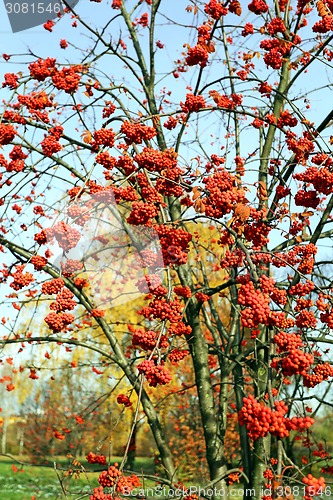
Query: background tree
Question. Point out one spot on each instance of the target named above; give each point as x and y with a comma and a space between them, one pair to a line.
114, 157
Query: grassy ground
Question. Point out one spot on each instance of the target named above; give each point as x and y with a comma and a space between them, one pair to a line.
40, 482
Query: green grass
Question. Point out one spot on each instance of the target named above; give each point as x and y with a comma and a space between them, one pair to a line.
42, 482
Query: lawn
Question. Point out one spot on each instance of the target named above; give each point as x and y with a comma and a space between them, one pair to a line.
42, 482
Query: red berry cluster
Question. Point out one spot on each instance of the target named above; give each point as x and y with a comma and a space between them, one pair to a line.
296, 362
153, 283
257, 309
109, 109
70, 267
163, 309
322, 371
301, 289
43, 237
306, 319
63, 301
287, 341
127, 193
177, 355
80, 283
303, 304
122, 399
104, 137
104, 158
36, 101
11, 81
276, 51
183, 291
300, 146
276, 25
261, 420
202, 297
137, 132
80, 215
66, 236
327, 317
142, 214
155, 374
307, 199
67, 79
215, 9
171, 123
147, 339
116, 4
53, 286
223, 194
179, 329
174, 243
321, 179
42, 68
50, 145
126, 484
198, 54
258, 7
20, 279
232, 259
7, 134
109, 478
97, 313
93, 458
314, 486
98, 493
282, 191
193, 103
155, 160
38, 262
58, 321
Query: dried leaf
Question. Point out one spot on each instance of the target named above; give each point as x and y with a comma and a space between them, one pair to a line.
86, 137
242, 211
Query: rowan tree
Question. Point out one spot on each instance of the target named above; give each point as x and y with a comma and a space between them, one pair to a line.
211, 115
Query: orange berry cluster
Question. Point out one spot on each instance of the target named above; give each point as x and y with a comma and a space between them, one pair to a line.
63, 301
108, 478
104, 137
155, 374
20, 279
193, 103
147, 339
58, 321
261, 420
257, 310
92, 458
50, 145
314, 486
142, 214
153, 283
161, 308
98, 493
53, 286
38, 262
177, 355
137, 132
122, 399
7, 134
70, 266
